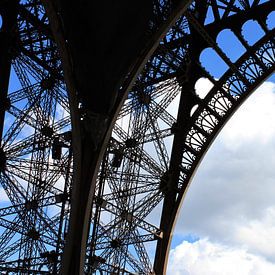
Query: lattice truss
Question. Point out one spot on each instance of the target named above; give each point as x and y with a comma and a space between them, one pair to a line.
35, 152
161, 133
164, 128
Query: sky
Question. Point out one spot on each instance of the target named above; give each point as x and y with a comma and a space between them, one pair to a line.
227, 221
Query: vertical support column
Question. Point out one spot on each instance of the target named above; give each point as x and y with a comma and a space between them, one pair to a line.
120, 50
170, 204
8, 12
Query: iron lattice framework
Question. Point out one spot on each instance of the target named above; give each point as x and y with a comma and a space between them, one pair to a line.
35, 153
160, 135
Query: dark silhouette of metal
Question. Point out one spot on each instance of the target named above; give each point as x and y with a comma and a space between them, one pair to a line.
102, 197
35, 150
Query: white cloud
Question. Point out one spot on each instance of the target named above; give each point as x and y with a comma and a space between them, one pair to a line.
259, 235
206, 258
254, 122
203, 86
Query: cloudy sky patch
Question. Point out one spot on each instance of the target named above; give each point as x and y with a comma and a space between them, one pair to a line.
206, 258
230, 206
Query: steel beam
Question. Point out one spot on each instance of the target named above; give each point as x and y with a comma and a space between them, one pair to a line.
8, 12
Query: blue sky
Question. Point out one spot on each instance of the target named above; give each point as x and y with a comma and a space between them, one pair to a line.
228, 215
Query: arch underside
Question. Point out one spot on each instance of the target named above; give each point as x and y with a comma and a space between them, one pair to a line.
144, 176
161, 133
37, 164
212, 114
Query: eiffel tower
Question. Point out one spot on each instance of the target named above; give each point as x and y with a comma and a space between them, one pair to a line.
101, 126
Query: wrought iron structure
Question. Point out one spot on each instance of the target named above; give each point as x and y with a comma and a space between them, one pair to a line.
35, 152
159, 131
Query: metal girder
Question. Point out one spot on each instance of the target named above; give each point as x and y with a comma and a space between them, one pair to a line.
246, 74
9, 13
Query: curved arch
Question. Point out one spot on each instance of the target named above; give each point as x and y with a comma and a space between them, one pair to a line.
216, 109
86, 164
49, 132
133, 180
